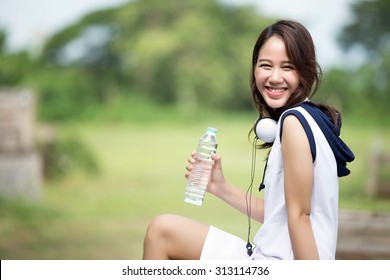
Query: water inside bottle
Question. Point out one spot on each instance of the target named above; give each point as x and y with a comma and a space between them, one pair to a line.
200, 174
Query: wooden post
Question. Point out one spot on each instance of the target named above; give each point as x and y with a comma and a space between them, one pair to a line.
373, 162
378, 172
20, 164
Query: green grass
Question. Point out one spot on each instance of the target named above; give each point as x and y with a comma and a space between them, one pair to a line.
143, 166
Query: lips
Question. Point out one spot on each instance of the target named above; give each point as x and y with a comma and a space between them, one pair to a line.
275, 92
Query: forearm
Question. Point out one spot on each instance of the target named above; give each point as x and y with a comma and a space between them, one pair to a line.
302, 237
236, 198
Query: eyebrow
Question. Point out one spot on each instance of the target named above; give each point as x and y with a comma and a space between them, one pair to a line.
270, 61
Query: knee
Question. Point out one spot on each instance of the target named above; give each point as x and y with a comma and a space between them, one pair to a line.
160, 228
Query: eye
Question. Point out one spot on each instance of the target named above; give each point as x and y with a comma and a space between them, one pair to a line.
265, 66
289, 67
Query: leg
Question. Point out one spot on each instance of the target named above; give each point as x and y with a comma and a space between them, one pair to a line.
174, 237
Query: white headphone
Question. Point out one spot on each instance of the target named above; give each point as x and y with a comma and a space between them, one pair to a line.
265, 129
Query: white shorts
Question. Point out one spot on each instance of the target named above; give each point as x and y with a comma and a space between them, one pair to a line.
221, 245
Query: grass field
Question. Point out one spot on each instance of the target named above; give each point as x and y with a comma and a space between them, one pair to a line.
142, 166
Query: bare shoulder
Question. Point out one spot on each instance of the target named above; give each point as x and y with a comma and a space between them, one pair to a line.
292, 127
294, 139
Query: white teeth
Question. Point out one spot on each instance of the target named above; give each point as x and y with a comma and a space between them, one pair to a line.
277, 90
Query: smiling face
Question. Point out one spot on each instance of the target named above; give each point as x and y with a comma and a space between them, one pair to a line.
275, 75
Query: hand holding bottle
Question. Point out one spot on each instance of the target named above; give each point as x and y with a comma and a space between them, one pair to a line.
217, 179
201, 166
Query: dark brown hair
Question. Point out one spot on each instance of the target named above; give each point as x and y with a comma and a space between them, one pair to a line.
301, 52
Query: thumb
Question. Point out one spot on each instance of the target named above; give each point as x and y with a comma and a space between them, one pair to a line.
217, 159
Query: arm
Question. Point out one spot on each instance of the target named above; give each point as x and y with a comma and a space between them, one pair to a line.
298, 180
229, 193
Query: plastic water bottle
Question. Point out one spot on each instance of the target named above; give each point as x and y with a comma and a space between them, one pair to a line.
200, 174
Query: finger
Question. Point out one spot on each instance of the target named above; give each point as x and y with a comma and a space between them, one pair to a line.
217, 161
191, 159
215, 157
189, 168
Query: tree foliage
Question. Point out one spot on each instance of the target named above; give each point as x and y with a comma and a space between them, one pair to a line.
190, 53
370, 27
367, 87
13, 67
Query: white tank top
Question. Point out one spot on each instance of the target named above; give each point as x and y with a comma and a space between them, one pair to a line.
272, 241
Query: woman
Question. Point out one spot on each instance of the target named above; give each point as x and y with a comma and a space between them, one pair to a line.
300, 205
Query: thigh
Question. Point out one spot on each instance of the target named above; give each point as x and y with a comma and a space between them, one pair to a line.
184, 237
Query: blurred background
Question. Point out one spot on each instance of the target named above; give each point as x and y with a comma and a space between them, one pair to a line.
101, 103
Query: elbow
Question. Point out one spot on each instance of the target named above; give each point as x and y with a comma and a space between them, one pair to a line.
298, 215
298, 222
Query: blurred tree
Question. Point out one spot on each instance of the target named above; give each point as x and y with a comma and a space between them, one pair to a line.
85, 49
182, 52
14, 66
369, 29
3, 37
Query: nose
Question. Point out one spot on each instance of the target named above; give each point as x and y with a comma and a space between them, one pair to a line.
276, 76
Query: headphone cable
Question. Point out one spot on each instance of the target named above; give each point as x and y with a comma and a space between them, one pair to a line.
248, 196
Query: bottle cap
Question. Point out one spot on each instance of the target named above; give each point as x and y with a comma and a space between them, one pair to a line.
211, 129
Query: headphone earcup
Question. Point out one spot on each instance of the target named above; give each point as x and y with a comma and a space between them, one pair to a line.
265, 129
